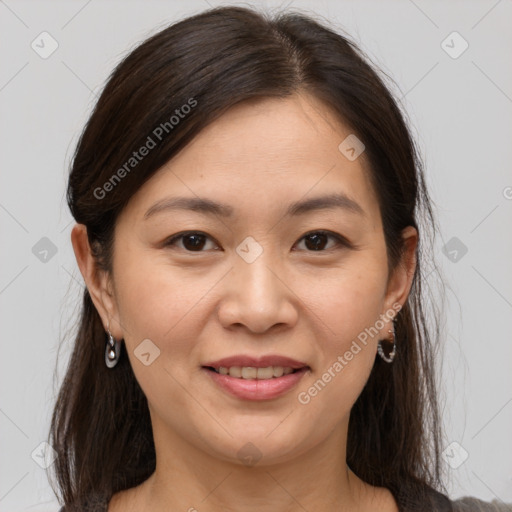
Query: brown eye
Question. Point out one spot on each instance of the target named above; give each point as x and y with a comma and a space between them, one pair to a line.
315, 241
318, 240
191, 242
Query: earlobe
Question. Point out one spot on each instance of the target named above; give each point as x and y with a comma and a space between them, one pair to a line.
96, 280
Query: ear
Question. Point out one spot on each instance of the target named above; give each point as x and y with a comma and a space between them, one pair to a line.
400, 282
98, 281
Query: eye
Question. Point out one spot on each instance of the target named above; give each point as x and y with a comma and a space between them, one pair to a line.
317, 240
193, 241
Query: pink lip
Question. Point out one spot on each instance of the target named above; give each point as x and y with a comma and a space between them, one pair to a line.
254, 389
256, 362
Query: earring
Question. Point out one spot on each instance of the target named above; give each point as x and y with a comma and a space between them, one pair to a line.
112, 350
388, 359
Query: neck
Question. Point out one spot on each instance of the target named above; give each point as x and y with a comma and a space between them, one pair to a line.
191, 480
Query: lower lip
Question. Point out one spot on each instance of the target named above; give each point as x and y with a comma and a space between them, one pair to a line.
257, 389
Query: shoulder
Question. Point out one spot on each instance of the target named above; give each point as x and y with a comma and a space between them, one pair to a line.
88, 505
468, 504
427, 499
86, 508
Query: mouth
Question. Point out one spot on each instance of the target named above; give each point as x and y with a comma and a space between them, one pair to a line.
254, 373
261, 382
249, 378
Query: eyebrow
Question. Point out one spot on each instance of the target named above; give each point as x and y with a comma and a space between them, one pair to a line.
209, 207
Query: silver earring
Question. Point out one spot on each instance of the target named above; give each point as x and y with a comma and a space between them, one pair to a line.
388, 359
112, 351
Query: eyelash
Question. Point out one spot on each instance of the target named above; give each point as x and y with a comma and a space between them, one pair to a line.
342, 242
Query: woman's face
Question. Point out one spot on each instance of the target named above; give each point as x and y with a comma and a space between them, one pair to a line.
249, 286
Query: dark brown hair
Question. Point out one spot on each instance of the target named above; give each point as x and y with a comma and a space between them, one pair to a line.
101, 426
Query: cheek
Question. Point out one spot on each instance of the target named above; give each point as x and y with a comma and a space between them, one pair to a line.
162, 304
350, 307
348, 301
154, 297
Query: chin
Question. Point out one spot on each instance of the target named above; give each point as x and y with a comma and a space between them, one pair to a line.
264, 444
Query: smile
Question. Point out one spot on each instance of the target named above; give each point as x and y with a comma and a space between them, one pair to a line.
251, 383
251, 372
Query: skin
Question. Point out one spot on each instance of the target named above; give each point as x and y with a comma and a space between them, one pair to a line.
293, 301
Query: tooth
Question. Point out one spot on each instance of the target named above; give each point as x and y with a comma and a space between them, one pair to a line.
235, 371
249, 372
278, 371
265, 373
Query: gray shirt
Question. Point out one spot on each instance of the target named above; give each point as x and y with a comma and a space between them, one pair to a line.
465, 504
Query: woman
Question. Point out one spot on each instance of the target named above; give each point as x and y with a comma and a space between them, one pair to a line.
253, 336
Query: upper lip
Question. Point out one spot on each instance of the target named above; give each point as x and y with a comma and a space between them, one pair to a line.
256, 362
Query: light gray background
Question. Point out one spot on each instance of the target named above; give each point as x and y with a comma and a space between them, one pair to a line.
461, 112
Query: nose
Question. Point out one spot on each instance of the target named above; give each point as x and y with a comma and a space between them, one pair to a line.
258, 297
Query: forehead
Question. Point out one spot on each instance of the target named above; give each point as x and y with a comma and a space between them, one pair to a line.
265, 153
